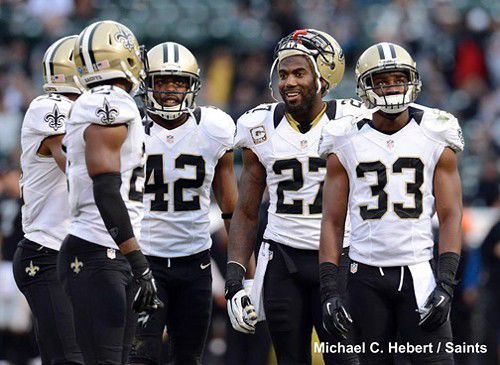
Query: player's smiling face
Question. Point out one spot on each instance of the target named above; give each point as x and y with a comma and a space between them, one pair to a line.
297, 83
169, 89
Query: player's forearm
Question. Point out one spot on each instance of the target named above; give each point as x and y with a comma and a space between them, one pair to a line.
242, 237
331, 241
450, 232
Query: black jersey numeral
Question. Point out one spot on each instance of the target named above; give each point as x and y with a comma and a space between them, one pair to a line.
378, 188
155, 183
181, 205
295, 184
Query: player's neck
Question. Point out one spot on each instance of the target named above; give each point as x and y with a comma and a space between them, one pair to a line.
169, 124
390, 123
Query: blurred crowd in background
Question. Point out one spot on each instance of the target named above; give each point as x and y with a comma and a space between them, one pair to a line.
457, 48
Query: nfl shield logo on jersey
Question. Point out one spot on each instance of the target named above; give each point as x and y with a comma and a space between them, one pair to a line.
390, 144
354, 267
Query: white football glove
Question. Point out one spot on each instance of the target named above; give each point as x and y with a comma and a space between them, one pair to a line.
241, 312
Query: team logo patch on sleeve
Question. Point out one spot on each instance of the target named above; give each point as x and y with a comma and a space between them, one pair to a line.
258, 134
107, 114
55, 118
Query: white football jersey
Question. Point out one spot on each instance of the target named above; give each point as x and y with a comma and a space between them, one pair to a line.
295, 171
45, 210
391, 199
180, 168
104, 105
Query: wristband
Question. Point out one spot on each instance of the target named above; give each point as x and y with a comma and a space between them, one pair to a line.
328, 274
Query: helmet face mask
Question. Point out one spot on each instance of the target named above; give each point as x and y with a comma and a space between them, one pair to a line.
171, 60
156, 106
321, 49
59, 69
386, 58
107, 50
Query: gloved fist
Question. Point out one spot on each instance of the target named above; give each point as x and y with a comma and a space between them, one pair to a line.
146, 299
438, 305
239, 306
336, 319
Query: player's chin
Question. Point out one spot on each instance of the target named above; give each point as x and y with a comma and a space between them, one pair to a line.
295, 106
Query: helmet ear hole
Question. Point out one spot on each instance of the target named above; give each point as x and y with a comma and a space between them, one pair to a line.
131, 62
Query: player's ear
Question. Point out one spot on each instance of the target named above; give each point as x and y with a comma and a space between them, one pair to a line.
324, 86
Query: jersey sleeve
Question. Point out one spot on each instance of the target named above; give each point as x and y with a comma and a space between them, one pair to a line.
352, 107
335, 135
220, 128
444, 128
108, 107
250, 127
47, 115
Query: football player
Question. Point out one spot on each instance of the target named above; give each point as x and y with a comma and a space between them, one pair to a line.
45, 209
391, 174
189, 151
279, 144
100, 264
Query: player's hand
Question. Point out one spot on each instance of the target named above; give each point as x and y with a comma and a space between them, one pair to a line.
146, 299
438, 305
241, 310
145, 315
336, 319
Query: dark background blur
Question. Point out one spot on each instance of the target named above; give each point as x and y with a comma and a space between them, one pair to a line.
457, 48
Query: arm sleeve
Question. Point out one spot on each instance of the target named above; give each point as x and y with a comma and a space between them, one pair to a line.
111, 206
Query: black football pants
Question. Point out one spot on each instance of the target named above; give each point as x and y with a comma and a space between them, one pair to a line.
99, 283
384, 309
35, 273
185, 287
292, 305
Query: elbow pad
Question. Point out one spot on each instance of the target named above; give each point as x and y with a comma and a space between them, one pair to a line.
111, 206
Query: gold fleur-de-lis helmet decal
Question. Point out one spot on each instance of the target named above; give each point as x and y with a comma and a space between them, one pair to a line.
107, 113
125, 37
55, 118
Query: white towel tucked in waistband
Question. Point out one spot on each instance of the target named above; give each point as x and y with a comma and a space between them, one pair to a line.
423, 284
257, 293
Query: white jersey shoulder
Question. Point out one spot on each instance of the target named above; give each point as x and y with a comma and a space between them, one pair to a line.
352, 107
105, 105
218, 125
336, 133
442, 127
253, 126
47, 114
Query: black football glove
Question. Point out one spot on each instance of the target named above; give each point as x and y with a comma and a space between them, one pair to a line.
336, 319
439, 305
439, 302
145, 299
